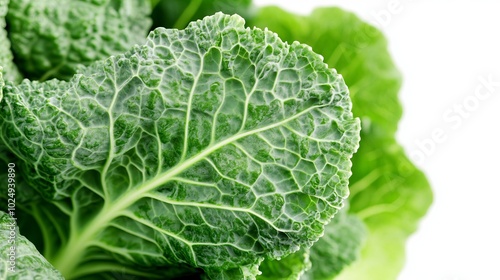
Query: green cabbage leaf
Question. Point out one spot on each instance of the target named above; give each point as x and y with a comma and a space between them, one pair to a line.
210, 148
19, 259
6, 58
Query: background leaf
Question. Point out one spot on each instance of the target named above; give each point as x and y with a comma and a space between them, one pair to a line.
10, 71
389, 193
338, 248
178, 13
291, 267
52, 38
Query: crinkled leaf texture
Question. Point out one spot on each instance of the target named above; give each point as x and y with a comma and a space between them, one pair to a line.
388, 193
29, 263
212, 147
350, 44
338, 248
10, 70
52, 38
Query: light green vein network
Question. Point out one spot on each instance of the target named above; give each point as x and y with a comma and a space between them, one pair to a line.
214, 147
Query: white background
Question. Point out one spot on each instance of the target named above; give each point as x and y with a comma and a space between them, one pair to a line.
444, 49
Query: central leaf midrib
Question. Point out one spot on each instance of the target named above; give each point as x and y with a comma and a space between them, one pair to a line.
130, 197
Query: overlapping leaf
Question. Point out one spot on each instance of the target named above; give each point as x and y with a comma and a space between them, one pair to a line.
19, 259
10, 70
291, 267
338, 248
52, 38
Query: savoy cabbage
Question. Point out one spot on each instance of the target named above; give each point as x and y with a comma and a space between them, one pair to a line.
213, 147
210, 150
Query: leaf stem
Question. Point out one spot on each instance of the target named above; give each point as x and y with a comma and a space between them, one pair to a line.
47, 240
187, 14
380, 208
52, 72
71, 255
